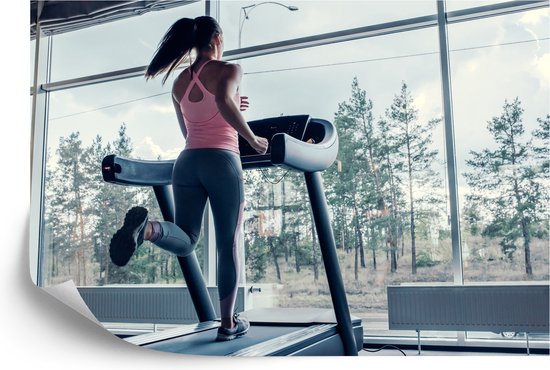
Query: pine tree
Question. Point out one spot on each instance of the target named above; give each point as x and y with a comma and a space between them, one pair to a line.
414, 141
391, 166
348, 179
70, 201
505, 182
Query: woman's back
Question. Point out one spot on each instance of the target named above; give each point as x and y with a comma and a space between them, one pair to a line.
195, 90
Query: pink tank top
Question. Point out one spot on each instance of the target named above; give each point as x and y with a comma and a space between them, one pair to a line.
206, 128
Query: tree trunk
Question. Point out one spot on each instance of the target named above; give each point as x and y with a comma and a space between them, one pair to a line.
411, 200
413, 239
343, 228
314, 251
283, 222
356, 264
106, 259
393, 228
296, 258
527, 246
274, 256
393, 259
359, 234
373, 248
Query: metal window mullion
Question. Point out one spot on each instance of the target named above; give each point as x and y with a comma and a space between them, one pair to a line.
212, 9
39, 132
450, 143
493, 10
333, 37
210, 261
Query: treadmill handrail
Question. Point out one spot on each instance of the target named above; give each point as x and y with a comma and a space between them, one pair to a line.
136, 172
302, 155
286, 151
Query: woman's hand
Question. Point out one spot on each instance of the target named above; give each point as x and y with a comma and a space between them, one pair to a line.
244, 103
259, 144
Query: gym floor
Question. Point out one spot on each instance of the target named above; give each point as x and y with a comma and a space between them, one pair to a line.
392, 351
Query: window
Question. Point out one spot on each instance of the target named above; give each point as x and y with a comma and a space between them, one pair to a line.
115, 45
501, 94
465, 4
131, 118
311, 18
368, 192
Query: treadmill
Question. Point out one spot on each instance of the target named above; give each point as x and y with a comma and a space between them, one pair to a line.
299, 143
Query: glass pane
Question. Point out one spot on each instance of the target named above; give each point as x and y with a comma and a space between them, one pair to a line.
465, 4
131, 118
501, 111
368, 192
116, 45
311, 17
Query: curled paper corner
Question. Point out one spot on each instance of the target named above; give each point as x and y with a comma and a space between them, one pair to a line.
68, 294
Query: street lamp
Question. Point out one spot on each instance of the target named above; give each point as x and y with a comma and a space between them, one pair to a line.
246, 10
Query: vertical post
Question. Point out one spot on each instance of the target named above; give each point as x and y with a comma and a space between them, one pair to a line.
418, 340
450, 143
39, 132
189, 265
527, 339
319, 209
209, 264
212, 9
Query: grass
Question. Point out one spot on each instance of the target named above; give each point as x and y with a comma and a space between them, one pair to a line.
367, 293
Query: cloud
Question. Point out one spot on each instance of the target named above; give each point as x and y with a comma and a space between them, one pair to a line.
543, 66
163, 108
147, 148
532, 18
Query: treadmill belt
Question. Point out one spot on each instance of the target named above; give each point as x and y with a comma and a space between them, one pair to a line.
204, 343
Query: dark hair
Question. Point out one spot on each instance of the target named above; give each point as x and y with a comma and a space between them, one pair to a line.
178, 42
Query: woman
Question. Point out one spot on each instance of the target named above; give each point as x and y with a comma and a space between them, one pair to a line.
207, 102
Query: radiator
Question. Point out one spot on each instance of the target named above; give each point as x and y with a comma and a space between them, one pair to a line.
160, 305
497, 308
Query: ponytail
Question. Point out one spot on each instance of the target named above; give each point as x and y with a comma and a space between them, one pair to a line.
178, 42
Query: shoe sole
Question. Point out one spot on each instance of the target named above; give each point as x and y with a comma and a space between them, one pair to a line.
225, 338
123, 240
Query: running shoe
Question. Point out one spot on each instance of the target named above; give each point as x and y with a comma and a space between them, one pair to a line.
241, 328
129, 237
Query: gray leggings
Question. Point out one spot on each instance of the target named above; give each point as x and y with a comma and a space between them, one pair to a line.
215, 174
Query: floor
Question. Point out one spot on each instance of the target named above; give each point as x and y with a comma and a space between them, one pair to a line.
390, 351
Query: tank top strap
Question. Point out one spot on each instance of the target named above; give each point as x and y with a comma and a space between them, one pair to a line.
196, 74
195, 79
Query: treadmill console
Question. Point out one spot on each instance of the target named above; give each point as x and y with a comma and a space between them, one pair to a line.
294, 126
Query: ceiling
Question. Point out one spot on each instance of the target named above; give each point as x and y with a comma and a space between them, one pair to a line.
57, 16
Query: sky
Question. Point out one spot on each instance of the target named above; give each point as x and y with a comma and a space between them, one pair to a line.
492, 60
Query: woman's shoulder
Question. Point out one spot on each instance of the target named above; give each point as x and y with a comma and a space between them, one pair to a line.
228, 68
183, 73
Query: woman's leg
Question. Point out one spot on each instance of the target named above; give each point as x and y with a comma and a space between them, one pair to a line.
190, 198
224, 184
180, 237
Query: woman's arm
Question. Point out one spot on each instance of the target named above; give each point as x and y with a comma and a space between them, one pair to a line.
227, 89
